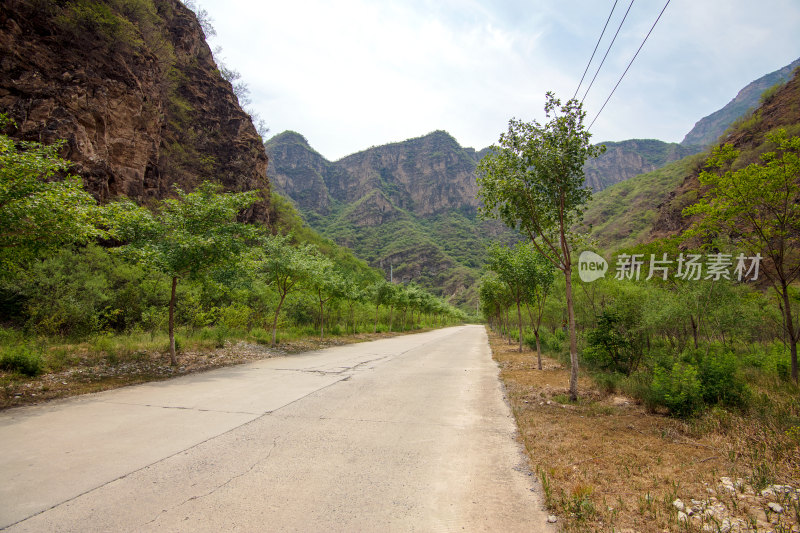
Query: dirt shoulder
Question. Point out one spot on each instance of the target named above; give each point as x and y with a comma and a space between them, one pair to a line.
606, 464
89, 372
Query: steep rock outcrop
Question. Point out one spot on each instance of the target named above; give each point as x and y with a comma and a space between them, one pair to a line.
133, 89
298, 172
425, 175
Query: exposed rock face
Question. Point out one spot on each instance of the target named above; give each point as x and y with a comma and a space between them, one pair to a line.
425, 175
626, 159
708, 129
136, 95
301, 173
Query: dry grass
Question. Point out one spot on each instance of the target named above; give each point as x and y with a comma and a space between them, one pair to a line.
606, 464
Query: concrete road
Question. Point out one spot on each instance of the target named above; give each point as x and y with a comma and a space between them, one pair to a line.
403, 434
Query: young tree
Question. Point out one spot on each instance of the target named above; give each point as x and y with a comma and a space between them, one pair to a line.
38, 212
284, 266
533, 181
758, 206
326, 283
494, 298
539, 284
514, 268
185, 237
381, 293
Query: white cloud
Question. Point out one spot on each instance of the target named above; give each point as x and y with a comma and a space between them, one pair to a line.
354, 73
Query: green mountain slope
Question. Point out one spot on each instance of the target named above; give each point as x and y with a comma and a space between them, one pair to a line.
623, 214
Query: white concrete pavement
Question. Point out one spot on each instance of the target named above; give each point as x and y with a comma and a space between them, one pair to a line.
403, 434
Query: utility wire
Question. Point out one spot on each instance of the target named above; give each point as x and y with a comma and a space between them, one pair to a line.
595, 50
608, 50
629, 65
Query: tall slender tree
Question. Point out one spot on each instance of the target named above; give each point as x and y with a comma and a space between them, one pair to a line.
533, 181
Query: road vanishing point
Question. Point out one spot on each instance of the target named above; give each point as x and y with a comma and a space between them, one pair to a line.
408, 433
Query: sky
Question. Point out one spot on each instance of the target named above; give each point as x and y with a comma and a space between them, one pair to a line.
352, 74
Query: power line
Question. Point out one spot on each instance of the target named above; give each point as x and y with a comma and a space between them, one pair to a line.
595, 50
629, 65
608, 50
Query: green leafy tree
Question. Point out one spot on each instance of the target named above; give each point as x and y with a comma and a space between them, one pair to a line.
533, 181
39, 212
185, 237
381, 293
758, 206
539, 284
494, 298
325, 283
514, 268
284, 266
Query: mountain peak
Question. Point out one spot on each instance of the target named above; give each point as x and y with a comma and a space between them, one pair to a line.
289, 136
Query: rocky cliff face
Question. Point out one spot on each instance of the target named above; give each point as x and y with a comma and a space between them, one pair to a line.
626, 159
409, 206
426, 175
299, 172
133, 89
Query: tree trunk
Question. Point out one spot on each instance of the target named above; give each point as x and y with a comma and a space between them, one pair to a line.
573, 341
391, 316
321, 319
173, 359
694, 330
790, 329
519, 325
538, 348
275, 320
376, 318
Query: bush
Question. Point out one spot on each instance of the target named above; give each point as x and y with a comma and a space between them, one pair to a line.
608, 347
21, 359
553, 342
720, 381
678, 389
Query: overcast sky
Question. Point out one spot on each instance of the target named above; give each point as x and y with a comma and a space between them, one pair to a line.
350, 74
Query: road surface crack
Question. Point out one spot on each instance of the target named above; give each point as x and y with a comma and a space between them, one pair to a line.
341, 370
218, 487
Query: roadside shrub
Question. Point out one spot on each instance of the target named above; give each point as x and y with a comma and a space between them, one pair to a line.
609, 383
678, 389
610, 346
235, 316
720, 381
553, 342
21, 359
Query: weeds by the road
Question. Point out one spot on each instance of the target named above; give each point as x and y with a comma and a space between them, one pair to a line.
607, 464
